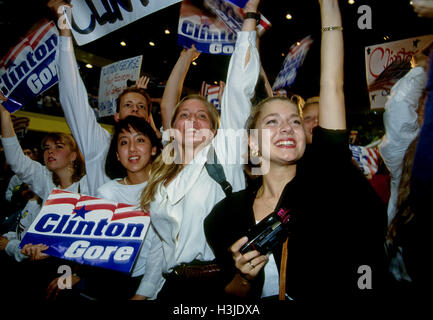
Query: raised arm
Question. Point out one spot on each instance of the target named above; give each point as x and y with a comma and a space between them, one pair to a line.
242, 74
31, 172
174, 85
92, 139
332, 113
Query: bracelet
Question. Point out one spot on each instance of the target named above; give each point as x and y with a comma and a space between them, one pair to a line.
330, 28
253, 15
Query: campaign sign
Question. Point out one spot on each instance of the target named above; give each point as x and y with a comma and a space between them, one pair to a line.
92, 19
292, 63
366, 158
89, 230
239, 3
233, 16
30, 67
386, 63
211, 92
204, 30
113, 80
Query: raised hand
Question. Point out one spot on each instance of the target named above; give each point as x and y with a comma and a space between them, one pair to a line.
143, 82
251, 6
58, 7
191, 53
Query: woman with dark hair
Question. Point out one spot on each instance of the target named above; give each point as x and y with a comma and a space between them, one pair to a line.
134, 145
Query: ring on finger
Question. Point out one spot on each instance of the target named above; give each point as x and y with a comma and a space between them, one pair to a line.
252, 265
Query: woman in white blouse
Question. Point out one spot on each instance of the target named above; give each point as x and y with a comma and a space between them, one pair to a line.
179, 195
64, 166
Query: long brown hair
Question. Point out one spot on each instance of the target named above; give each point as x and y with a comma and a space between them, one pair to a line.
404, 214
163, 170
78, 166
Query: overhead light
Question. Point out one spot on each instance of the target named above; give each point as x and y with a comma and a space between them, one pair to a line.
152, 44
298, 43
89, 66
215, 82
283, 54
351, 1
166, 31
194, 63
288, 16
123, 43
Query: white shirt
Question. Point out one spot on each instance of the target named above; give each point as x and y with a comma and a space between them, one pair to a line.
28, 215
152, 280
13, 182
401, 127
36, 175
271, 287
39, 179
92, 139
179, 209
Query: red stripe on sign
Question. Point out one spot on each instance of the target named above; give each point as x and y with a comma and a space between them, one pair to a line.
14, 52
42, 34
17, 52
130, 214
87, 198
72, 201
57, 191
124, 205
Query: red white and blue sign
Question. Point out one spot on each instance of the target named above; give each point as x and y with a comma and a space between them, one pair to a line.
366, 158
239, 3
233, 16
89, 230
30, 67
292, 63
203, 30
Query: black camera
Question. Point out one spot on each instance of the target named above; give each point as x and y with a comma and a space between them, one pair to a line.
268, 233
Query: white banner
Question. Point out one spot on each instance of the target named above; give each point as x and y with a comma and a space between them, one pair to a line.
92, 19
113, 80
386, 63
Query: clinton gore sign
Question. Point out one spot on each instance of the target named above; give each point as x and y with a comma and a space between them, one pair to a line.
89, 230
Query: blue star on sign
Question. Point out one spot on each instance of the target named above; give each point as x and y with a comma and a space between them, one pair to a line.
81, 212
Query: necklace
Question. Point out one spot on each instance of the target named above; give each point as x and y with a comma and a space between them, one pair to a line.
263, 202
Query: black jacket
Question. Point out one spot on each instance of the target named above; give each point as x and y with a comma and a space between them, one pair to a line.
337, 229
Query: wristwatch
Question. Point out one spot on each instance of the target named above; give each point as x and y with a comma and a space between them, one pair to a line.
253, 15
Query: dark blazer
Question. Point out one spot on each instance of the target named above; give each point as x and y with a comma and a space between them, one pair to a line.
337, 230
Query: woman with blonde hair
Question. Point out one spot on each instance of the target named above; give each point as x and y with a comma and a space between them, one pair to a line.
64, 167
330, 218
180, 191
